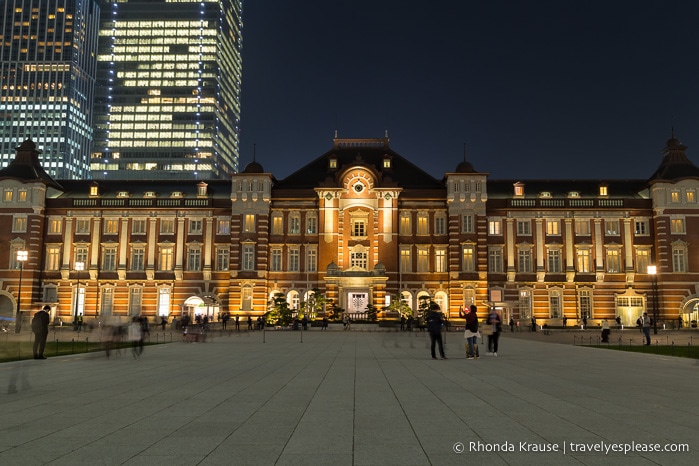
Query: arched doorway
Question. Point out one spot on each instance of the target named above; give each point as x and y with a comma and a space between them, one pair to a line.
202, 306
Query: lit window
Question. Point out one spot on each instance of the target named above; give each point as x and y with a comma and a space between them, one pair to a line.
440, 260
165, 258
138, 226
249, 223
277, 224
613, 260
422, 262
677, 226
405, 260
642, 260
675, 196
494, 227
111, 226
554, 304
223, 226
583, 260
405, 227
422, 224
311, 225
553, 227
19, 224
167, 226
55, 226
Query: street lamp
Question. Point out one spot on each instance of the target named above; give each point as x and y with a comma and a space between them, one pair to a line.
653, 272
79, 267
22, 257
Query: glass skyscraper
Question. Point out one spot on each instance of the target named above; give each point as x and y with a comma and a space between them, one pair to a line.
168, 92
47, 81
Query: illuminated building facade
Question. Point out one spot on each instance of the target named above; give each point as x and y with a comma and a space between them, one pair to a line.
169, 81
47, 81
365, 227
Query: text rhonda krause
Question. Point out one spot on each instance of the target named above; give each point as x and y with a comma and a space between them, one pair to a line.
575, 447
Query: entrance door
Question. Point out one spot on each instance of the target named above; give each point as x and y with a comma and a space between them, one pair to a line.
357, 302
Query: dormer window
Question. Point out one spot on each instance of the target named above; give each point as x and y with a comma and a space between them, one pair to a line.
332, 163
545, 195
176, 194
574, 194
201, 189
519, 189
149, 194
603, 190
123, 194
386, 162
94, 190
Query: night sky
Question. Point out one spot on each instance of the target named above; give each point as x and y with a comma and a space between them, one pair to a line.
534, 89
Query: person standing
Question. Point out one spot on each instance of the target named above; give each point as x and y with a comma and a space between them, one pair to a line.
646, 327
471, 333
136, 337
325, 324
237, 323
605, 331
40, 327
496, 322
435, 322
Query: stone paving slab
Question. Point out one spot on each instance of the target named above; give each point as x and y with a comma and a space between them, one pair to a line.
348, 398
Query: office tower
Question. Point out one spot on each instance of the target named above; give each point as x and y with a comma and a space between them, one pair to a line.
47, 74
168, 93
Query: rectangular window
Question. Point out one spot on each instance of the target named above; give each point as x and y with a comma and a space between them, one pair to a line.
555, 305
679, 259
167, 226
294, 225
553, 227
223, 226
554, 259
165, 258
691, 196
109, 259
276, 265
359, 228
641, 227
494, 227
612, 227
223, 258
19, 224
194, 259
135, 298
467, 224
613, 260
55, 226
468, 263
311, 225
8, 195
22, 195
440, 260
311, 260
440, 226
422, 260
249, 223
422, 224
675, 196
585, 303
82, 226
524, 227
137, 261
358, 259
583, 259
405, 227
111, 226
53, 258
106, 301
642, 260
248, 257
277, 225
164, 302
405, 260
81, 255
524, 262
293, 260
138, 226
495, 260
677, 226
582, 227
195, 226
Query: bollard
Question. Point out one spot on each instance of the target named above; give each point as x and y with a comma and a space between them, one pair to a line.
672, 348
87, 345
72, 346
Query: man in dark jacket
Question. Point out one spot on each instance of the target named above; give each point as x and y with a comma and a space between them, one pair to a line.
435, 321
40, 327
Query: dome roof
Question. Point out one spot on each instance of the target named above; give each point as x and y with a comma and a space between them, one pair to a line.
465, 167
253, 167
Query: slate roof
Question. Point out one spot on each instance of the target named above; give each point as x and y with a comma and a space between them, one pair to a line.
26, 166
360, 152
675, 165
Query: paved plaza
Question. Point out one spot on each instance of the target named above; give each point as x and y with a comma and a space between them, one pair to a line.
350, 398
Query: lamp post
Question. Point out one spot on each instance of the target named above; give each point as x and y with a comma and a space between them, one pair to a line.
653, 272
22, 257
79, 267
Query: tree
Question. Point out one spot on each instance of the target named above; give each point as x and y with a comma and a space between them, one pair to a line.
280, 313
400, 306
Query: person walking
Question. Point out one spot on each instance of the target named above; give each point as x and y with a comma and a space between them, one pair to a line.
471, 333
496, 322
40, 327
435, 322
646, 327
136, 337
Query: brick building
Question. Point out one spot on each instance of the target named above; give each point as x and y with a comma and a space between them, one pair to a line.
363, 226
